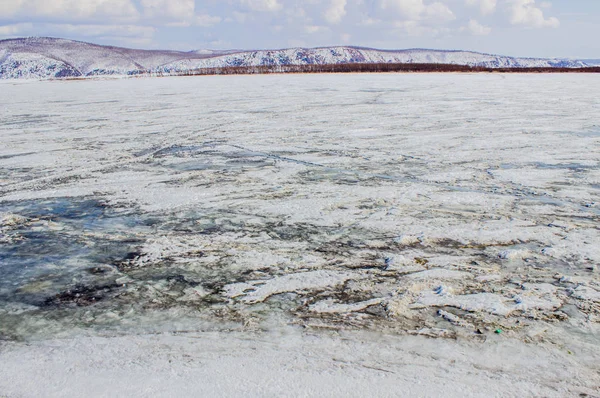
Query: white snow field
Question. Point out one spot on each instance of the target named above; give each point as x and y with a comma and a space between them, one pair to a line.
301, 235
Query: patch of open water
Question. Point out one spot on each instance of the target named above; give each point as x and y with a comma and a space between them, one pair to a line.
61, 243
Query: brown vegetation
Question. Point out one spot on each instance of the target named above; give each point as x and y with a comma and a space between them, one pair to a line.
374, 68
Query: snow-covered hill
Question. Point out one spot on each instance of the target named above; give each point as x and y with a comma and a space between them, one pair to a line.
340, 55
44, 58
49, 57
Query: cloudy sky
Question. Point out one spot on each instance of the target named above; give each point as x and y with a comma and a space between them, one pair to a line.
565, 28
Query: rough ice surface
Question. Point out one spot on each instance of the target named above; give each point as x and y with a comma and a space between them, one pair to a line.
488, 302
438, 273
328, 306
257, 291
433, 205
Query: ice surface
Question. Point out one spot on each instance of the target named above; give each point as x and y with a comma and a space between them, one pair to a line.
257, 291
436, 205
488, 302
305, 190
291, 365
440, 274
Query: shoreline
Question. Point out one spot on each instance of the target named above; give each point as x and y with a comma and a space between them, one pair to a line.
328, 69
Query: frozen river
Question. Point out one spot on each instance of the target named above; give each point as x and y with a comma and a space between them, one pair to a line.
445, 205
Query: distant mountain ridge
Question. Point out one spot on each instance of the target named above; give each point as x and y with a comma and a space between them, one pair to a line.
50, 58
591, 62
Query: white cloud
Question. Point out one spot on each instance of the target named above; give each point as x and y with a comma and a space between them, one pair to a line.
9, 8
314, 29
83, 9
476, 29
195, 20
369, 22
84, 30
130, 31
439, 12
415, 10
336, 11
525, 12
414, 28
175, 13
409, 9
416, 17
15, 29
485, 6
69, 9
296, 12
172, 9
262, 5
239, 17
206, 20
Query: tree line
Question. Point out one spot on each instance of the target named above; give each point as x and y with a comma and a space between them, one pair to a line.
371, 68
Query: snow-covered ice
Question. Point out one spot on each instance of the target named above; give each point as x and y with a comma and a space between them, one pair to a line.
223, 211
